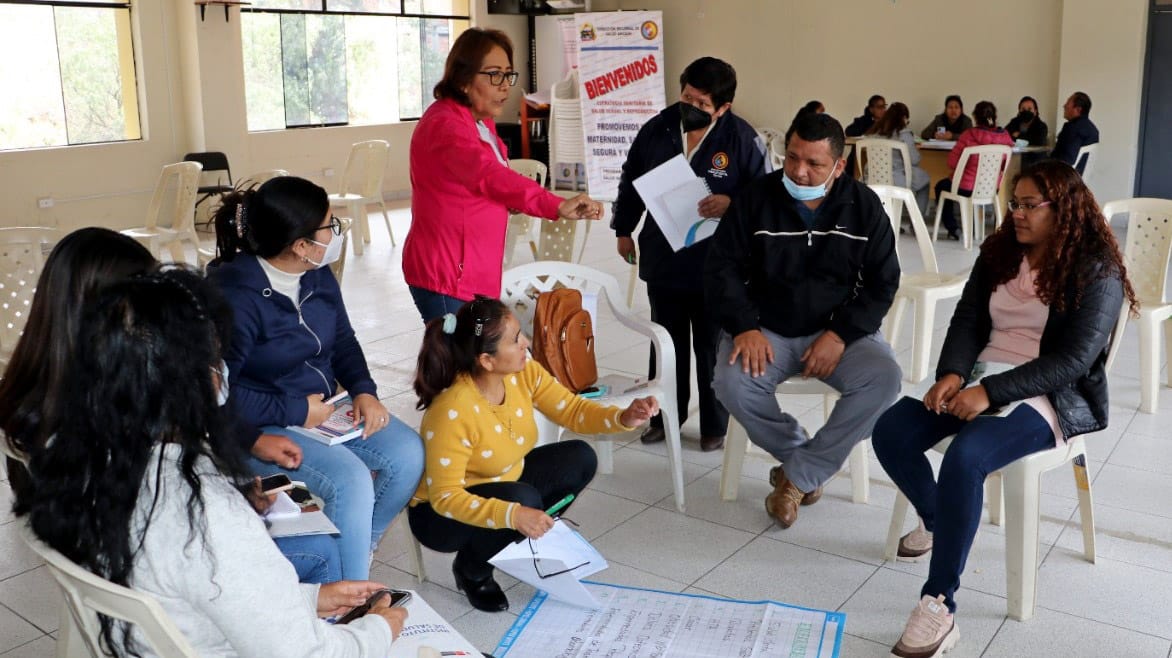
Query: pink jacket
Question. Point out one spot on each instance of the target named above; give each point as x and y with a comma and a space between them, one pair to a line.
460, 196
975, 136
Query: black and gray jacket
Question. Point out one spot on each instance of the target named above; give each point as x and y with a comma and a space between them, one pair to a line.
1070, 368
767, 269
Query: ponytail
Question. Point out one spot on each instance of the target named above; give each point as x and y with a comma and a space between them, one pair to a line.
453, 343
231, 222
264, 221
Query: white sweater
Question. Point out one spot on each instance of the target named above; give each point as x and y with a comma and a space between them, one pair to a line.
230, 591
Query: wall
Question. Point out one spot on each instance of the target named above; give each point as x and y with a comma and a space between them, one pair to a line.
786, 52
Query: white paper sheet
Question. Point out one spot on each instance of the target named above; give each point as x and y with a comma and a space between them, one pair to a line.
283, 508
556, 551
426, 628
671, 193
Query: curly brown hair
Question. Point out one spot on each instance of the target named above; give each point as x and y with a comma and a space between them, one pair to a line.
1082, 247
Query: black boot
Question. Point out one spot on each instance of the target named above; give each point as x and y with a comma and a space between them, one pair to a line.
484, 594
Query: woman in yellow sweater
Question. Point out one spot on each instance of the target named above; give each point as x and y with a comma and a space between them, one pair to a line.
484, 483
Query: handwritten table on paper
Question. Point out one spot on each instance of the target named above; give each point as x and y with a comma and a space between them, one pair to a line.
642, 623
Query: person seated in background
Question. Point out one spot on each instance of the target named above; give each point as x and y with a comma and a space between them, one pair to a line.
894, 125
812, 107
722, 149
985, 131
81, 265
139, 484
950, 124
1077, 132
487, 483
876, 106
802, 270
292, 346
1027, 124
1035, 317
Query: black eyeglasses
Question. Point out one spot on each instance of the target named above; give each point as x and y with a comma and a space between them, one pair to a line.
335, 225
497, 78
537, 560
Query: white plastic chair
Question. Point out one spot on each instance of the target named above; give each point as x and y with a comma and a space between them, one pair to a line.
362, 184
879, 169
1015, 493
1087, 156
521, 224
338, 267
924, 288
22, 257
737, 445
178, 184
86, 595
993, 160
519, 290
1149, 245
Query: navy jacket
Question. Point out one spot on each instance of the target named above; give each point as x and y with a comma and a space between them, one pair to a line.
1071, 366
280, 355
767, 269
728, 159
1074, 135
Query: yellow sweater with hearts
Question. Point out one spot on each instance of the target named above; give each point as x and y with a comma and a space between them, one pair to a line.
468, 441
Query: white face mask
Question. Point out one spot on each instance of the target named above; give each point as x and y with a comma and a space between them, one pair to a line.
222, 394
333, 251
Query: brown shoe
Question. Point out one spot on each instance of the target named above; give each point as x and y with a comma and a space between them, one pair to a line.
711, 443
653, 435
809, 499
782, 504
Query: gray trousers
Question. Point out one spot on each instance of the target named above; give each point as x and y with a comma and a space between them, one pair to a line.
867, 377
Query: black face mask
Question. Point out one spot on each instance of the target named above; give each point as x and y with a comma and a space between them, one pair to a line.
1025, 116
693, 118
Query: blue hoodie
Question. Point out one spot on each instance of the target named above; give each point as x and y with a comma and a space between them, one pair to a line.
280, 355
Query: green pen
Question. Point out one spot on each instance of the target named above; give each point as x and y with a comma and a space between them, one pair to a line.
558, 506
631, 258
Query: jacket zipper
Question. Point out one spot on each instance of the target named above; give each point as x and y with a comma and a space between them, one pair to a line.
301, 320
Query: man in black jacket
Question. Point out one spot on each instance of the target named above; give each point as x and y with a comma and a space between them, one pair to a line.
1077, 132
726, 152
802, 270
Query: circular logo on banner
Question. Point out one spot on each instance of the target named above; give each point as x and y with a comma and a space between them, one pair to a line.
587, 32
720, 160
649, 30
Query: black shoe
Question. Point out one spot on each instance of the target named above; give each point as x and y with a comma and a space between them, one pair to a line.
953, 234
711, 443
484, 594
653, 435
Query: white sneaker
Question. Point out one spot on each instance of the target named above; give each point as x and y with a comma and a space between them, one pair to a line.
930, 631
914, 545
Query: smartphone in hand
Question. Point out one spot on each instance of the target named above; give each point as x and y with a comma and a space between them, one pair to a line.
274, 483
398, 598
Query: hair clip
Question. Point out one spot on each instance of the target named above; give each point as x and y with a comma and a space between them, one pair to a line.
449, 324
239, 221
479, 328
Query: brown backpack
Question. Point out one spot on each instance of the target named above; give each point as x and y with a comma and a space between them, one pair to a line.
563, 339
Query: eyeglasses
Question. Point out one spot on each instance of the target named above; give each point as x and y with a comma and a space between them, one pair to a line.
1015, 206
537, 560
497, 78
335, 225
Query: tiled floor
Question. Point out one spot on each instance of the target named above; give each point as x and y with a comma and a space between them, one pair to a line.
832, 558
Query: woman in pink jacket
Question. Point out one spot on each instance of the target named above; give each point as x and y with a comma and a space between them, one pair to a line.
984, 131
461, 184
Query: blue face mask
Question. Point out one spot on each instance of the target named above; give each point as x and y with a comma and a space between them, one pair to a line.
806, 192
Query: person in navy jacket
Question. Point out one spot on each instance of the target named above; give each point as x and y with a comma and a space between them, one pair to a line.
1077, 132
726, 152
293, 346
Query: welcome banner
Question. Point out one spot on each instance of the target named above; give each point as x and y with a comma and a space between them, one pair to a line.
620, 77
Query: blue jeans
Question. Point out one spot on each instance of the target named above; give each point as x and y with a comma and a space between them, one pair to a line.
364, 483
314, 557
433, 305
950, 505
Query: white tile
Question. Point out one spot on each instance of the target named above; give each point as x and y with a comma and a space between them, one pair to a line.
746, 513
597, 513
670, 544
35, 595
18, 557
1136, 490
1052, 633
15, 631
641, 476
768, 569
485, 629
1116, 593
1145, 453
1132, 537
41, 647
857, 647
820, 527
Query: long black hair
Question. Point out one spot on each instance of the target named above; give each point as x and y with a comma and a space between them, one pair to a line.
265, 220
80, 265
142, 376
479, 325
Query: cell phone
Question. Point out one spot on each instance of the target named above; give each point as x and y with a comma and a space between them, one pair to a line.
300, 495
398, 598
594, 391
274, 483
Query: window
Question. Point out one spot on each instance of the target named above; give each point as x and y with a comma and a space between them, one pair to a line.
338, 62
67, 71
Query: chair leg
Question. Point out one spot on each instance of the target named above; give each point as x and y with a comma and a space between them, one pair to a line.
994, 501
413, 547
895, 529
631, 286
585, 239
1168, 348
924, 322
671, 426
736, 443
604, 448
894, 320
355, 209
1149, 353
70, 642
387, 220
860, 473
1021, 539
936, 224
1086, 508
966, 223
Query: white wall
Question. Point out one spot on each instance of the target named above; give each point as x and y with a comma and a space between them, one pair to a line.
786, 52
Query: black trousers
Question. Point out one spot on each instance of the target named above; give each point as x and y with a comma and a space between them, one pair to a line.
551, 472
688, 320
948, 215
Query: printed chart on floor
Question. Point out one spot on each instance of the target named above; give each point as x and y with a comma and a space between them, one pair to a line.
645, 623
